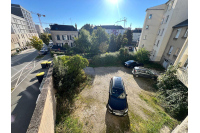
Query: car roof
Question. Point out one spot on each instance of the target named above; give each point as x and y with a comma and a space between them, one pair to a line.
130, 61
139, 67
117, 82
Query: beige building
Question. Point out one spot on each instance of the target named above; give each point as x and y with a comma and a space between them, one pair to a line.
151, 26
39, 29
183, 60
175, 43
62, 34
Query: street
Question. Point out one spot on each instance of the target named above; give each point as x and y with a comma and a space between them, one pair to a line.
26, 88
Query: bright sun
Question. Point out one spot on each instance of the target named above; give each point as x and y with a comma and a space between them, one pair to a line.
114, 1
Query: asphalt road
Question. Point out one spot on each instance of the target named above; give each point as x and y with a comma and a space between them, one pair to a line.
24, 96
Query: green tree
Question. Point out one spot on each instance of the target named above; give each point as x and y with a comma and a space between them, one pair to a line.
87, 27
124, 42
103, 47
49, 35
45, 38
83, 42
129, 35
142, 55
173, 93
119, 41
36, 42
98, 36
112, 43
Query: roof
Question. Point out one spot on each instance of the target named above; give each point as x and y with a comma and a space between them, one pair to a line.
117, 82
139, 30
182, 24
159, 7
63, 27
110, 27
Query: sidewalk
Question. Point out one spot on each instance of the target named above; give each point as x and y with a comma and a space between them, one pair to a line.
23, 99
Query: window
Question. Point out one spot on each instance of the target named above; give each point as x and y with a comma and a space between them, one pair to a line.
185, 66
162, 32
178, 33
162, 21
171, 5
142, 45
186, 33
158, 42
58, 37
154, 52
168, 7
150, 16
64, 37
18, 36
145, 37
70, 37
170, 50
158, 31
67, 37
177, 52
167, 19
147, 27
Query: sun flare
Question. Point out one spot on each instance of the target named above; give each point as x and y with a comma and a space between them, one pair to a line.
114, 1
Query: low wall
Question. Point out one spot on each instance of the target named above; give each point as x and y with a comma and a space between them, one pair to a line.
44, 115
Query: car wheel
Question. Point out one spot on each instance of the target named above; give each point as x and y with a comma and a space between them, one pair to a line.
136, 76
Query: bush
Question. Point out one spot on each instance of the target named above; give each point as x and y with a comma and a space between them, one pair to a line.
173, 94
57, 53
142, 55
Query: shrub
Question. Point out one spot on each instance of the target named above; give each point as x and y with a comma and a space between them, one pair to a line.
173, 93
57, 53
142, 55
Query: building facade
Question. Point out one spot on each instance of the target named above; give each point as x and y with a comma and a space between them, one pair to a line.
175, 43
182, 59
62, 34
151, 26
112, 29
47, 30
39, 29
136, 34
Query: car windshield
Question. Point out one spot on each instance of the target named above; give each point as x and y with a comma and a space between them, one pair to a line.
116, 92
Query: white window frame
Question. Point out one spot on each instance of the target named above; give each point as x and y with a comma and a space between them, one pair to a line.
167, 18
162, 32
150, 16
178, 33
170, 50
186, 33
158, 43
145, 37
162, 21
158, 31
147, 27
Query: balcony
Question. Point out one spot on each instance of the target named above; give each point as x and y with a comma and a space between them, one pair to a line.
182, 74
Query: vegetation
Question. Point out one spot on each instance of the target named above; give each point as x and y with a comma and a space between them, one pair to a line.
173, 93
49, 35
88, 27
36, 43
83, 42
142, 55
103, 47
156, 120
124, 40
156, 66
112, 43
118, 41
129, 36
69, 79
45, 38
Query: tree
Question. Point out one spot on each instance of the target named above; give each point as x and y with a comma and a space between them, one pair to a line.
36, 42
49, 35
45, 38
129, 36
112, 43
124, 42
173, 93
87, 27
83, 42
142, 55
98, 36
103, 47
119, 41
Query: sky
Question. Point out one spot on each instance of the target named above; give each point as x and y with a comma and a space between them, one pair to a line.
96, 12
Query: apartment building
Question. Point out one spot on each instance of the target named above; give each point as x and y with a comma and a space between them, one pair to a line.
175, 43
176, 11
20, 29
62, 34
182, 59
47, 30
112, 29
136, 34
39, 29
151, 26
23, 13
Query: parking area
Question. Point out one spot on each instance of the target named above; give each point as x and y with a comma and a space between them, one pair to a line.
90, 106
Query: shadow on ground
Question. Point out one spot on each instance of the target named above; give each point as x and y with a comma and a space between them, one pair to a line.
24, 109
116, 124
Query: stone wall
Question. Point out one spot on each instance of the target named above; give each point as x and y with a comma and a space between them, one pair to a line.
44, 115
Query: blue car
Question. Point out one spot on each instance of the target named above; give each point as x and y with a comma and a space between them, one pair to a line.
117, 101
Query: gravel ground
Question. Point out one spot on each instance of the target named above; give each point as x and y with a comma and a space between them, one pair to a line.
91, 104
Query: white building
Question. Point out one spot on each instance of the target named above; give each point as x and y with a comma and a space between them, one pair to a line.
39, 29
47, 30
112, 29
136, 34
62, 34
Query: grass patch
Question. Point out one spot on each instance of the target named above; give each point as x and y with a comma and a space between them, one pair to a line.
65, 122
156, 120
39, 56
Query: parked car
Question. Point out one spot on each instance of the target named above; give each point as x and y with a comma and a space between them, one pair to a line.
132, 64
117, 101
144, 72
43, 52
